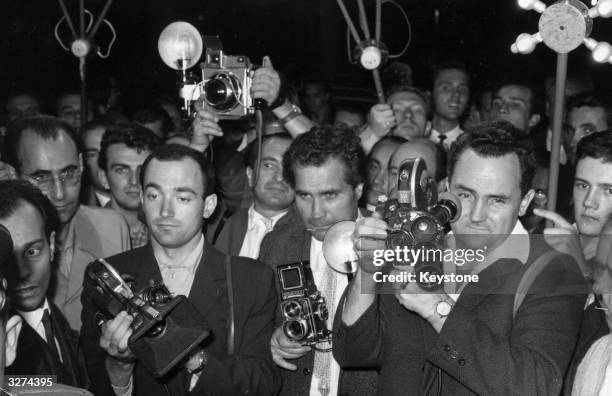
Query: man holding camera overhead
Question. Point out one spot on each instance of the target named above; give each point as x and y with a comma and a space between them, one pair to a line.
470, 340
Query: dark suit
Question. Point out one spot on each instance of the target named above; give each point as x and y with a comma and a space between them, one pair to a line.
482, 349
594, 326
250, 369
289, 242
34, 356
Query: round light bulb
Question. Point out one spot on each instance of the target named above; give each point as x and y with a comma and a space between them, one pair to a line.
525, 43
532, 4
604, 8
602, 52
180, 45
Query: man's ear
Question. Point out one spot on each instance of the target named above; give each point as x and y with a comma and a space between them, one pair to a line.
13, 328
526, 201
359, 190
428, 126
81, 162
534, 120
210, 203
249, 175
103, 179
52, 245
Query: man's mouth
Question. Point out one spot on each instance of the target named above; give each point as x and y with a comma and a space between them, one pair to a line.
26, 291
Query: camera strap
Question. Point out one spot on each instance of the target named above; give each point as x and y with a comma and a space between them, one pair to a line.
230, 299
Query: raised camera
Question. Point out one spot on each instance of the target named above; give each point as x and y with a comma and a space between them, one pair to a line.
304, 311
416, 218
166, 329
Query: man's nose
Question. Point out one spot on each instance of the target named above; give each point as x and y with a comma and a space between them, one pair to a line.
23, 269
167, 209
317, 209
133, 180
479, 212
591, 201
59, 189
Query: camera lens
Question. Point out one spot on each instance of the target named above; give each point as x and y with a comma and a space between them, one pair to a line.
423, 229
220, 94
398, 239
295, 329
292, 309
321, 312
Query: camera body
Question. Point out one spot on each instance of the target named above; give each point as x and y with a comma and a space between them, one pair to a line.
165, 329
226, 82
302, 305
416, 219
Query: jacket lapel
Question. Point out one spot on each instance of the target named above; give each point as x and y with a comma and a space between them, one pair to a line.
209, 281
238, 231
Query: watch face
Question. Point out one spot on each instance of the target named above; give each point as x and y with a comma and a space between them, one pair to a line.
443, 308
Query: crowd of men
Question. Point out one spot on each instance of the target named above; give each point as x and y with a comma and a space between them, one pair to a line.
209, 210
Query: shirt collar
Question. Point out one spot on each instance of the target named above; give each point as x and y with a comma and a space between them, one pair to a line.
255, 216
190, 262
33, 318
450, 135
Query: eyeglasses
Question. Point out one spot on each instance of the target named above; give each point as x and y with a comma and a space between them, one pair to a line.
70, 177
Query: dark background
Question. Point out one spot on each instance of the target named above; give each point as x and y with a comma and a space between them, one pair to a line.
303, 37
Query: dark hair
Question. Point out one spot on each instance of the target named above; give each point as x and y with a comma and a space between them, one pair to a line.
95, 124
14, 193
537, 94
317, 147
178, 152
448, 65
134, 136
493, 140
417, 91
46, 127
250, 154
591, 99
597, 145
154, 113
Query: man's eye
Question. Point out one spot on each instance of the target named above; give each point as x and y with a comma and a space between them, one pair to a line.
608, 191
330, 195
32, 252
496, 103
303, 196
151, 196
581, 185
498, 201
464, 195
183, 199
120, 171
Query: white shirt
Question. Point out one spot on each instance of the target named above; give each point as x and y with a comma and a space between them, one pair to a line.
317, 265
256, 231
562, 153
451, 136
34, 320
102, 199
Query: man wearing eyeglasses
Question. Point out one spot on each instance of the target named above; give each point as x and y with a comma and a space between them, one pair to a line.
44, 151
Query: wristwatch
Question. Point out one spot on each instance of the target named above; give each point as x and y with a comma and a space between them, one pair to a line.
444, 307
202, 360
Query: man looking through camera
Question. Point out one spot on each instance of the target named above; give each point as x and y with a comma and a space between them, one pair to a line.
178, 195
438, 344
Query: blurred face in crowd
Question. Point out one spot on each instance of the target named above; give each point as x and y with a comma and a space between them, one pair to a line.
174, 203
55, 167
271, 192
22, 106
512, 103
489, 190
315, 97
69, 109
406, 151
30, 272
378, 163
450, 94
583, 121
410, 115
348, 118
91, 142
323, 197
592, 195
121, 175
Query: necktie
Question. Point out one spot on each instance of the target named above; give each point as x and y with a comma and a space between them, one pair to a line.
46, 322
268, 223
322, 360
441, 139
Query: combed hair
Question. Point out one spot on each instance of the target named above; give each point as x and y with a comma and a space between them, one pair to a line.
591, 99
317, 147
493, 140
250, 154
448, 65
134, 136
537, 94
178, 152
417, 91
46, 127
14, 193
597, 145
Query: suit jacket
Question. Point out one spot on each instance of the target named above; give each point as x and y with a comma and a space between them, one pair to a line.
232, 236
594, 326
289, 242
482, 348
34, 356
250, 369
98, 233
